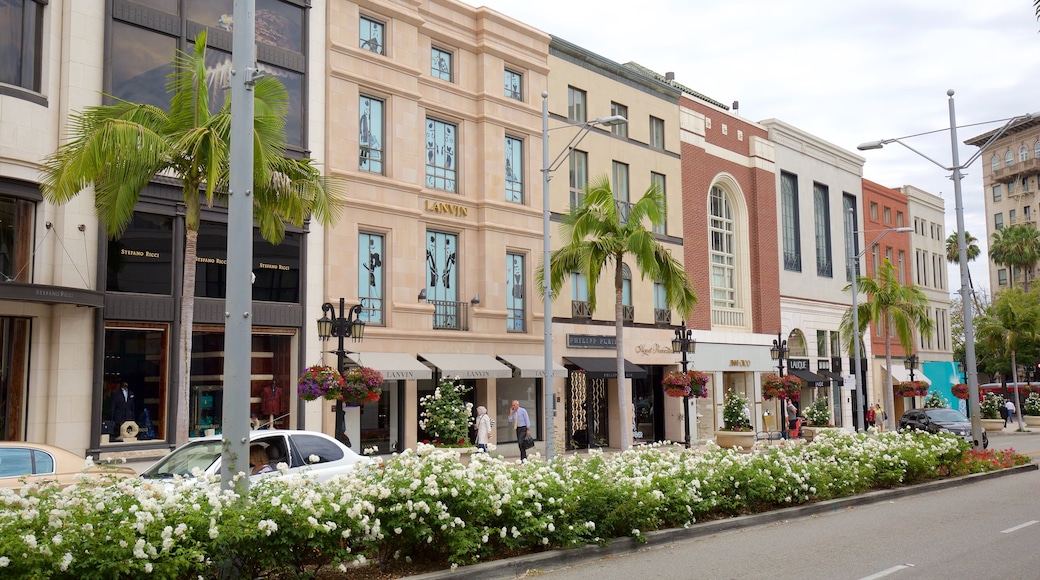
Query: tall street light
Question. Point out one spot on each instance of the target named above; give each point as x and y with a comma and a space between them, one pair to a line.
910, 363
779, 353
344, 325
684, 343
853, 266
956, 168
548, 168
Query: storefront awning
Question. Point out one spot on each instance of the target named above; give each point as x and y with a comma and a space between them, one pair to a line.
530, 365
899, 373
831, 375
605, 368
809, 377
468, 366
395, 366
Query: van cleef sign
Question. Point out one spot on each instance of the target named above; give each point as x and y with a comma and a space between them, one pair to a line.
591, 341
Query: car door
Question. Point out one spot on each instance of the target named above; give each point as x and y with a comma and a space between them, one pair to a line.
322, 455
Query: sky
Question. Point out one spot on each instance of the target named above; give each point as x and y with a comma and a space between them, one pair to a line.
848, 71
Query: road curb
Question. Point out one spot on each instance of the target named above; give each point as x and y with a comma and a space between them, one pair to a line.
519, 566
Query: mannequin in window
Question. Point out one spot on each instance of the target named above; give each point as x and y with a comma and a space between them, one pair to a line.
271, 402
122, 405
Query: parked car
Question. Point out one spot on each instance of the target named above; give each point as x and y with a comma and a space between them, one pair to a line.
938, 421
22, 463
300, 450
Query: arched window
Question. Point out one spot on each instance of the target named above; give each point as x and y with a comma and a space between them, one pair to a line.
1023, 153
796, 344
1036, 149
994, 164
723, 271
1008, 158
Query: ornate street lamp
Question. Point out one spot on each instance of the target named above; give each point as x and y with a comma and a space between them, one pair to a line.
779, 353
342, 326
910, 363
684, 343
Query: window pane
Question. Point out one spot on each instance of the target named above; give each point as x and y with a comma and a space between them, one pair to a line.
657, 133
370, 135
138, 357
579, 175
15, 462
514, 170
370, 277
440, 155
320, 447
514, 82
440, 64
515, 292
790, 226
141, 260
371, 35
658, 180
723, 286
21, 28
140, 64
620, 129
442, 267
575, 105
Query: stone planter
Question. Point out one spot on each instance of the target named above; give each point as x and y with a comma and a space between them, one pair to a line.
733, 439
992, 425
1031, 420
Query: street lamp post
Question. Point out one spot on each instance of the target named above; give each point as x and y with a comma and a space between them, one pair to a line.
344, 325
910, 363
548, 168
779, 353
962, 248
684, 343
857, 371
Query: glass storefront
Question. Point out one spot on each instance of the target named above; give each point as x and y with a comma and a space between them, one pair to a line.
380, 421
14, 381
525, 391
135, 356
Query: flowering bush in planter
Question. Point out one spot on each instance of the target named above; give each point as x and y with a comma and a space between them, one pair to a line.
320, 382
818, 414
910, 389
734, 413
786, 387
445, 416
935, 400
990, 405
1031, 406
361, 385
960, 390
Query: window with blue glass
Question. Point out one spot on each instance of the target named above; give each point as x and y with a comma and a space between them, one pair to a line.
370, 277
441, 147
371, 34
515, 292
514, 85
370, 134
514, 170
440, 63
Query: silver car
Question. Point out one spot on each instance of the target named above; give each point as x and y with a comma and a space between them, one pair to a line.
314, 452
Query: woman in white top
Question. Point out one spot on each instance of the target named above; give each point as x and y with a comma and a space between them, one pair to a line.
483, 428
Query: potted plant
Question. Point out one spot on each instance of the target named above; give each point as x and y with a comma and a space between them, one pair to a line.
676, 384
736, 430
361, 385
319, 382
934, 400
989, 407
1031, 410
960, 390
445, 417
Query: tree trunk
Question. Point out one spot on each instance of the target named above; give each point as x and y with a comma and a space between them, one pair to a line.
182, 378
1018, 403
886, 396
624, 399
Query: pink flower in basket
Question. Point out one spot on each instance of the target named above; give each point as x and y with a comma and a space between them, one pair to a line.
361, 385
319, 382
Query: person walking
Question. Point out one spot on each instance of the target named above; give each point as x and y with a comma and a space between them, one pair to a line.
880, 416
518, 416
483, 428
871, 417
1010, 406
1005, 412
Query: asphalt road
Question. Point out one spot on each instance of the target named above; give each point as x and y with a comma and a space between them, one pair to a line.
988, 529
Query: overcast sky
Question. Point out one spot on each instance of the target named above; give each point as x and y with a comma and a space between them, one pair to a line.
847, 71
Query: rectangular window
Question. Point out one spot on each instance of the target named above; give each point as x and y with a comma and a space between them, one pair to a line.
899, 219
140, 261
579, 175
515, 292
514, 85
888, 215
1011, 188
789, 221
998, 221
442, 281
370, 35
873, 211
619, 129
1002, 277
21, 54
850, 208
660, 297
821, 343
370, 134
620, 181
579, 287
440, 64
996, 192
1012, 217
656, 133
370, 277
657, 180
902, 267
441, 146
137, 354
514, 170
575, 105
822, 218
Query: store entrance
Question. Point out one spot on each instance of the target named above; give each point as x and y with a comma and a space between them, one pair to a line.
14, 360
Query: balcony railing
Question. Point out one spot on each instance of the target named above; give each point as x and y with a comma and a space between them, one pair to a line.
823, 268
1023, 219
792, 262
628, 313
662, 316
624, 209
580, 309
727, 317
1016, 170
450, 315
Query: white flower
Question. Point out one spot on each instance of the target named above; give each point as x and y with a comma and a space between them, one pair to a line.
313, 459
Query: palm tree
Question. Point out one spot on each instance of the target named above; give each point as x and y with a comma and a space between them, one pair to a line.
118, 149
897, 309
953, 256
597, 235
1016, 246
1010, 325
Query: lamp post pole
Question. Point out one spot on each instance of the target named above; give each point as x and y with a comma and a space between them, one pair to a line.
779, 353
684, 343
548, 167
962, 249
347, 323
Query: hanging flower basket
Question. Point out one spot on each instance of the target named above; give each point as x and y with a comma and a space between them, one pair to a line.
786, 387
676, 384
910, 389
319, 382
698, 384
361, 385
960, 390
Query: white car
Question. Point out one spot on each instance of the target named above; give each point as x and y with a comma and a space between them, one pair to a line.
314, 452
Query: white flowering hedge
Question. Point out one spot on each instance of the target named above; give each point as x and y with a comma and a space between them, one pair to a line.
427, 505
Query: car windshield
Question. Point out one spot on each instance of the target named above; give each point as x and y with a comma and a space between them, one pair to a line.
947, 416
183, 461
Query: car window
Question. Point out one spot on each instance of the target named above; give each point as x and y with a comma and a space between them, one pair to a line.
15, 462
183, 461
274, 447
43, 462
324, 449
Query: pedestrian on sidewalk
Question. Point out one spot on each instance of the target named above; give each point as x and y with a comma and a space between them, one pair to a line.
871, 417
1011, 411
518, 416
1005, 413
483, 427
